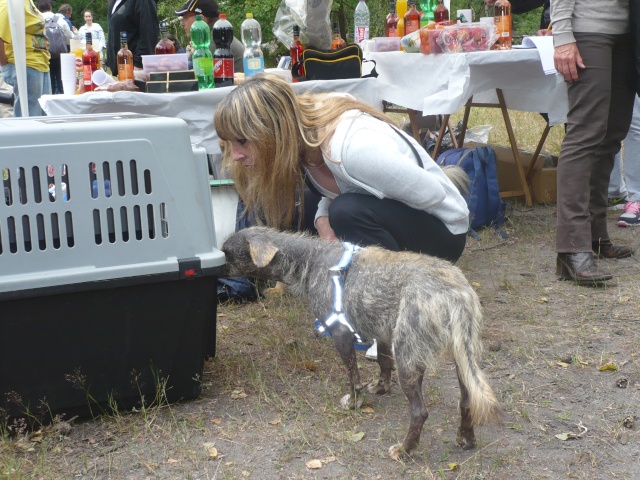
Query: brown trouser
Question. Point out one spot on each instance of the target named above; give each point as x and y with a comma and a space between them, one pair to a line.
600, 109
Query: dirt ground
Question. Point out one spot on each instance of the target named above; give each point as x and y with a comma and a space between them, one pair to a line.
562, 358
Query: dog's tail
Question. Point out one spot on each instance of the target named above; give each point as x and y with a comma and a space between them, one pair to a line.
458, 177
465, 331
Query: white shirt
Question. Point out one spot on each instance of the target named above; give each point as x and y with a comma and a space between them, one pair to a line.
97, 36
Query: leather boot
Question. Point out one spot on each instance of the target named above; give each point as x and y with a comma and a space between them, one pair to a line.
580, 267
608, 250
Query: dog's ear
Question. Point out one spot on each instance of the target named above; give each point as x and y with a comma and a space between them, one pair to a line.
262, 251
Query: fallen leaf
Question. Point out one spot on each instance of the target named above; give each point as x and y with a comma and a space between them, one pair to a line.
213, 452
454, 466
328, 459
356, 437
562, 364
562, 436
311, 367
217, 421
475, 284
173, 460
275, 421
314, 464
367, 410
238, 394
608, 366
228, 464
543, 300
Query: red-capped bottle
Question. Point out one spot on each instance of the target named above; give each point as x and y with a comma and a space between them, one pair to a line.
441, 14
222, 56
296, 49
164, 45
89, 64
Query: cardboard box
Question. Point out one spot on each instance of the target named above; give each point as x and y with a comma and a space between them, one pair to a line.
543, 185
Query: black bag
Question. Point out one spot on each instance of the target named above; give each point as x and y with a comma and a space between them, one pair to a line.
343, 63
55, 34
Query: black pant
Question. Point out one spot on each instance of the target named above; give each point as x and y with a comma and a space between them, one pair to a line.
367, 220
56, 78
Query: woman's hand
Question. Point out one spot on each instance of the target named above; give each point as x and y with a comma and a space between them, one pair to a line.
325, 232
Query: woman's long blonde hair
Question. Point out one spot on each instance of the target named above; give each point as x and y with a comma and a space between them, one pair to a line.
283, 130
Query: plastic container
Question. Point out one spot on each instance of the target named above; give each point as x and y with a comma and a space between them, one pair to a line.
386, 44
361, 22
467, 37
222, 57
114, 297
165, 63
251, 35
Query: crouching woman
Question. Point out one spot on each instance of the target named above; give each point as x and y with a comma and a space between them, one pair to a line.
361, 176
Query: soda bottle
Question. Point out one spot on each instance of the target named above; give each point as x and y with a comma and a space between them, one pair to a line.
427, 6
295, 50
391, 29
202, 58
411, 19
338, 41
222, 56
441, 14
124, 60
89, 64
502, 20
361, 22
164, 45
251, 35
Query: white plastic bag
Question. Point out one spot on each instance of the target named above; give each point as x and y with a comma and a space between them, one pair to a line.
313, 18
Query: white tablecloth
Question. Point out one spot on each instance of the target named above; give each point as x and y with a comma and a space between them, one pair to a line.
442, 84
196, 108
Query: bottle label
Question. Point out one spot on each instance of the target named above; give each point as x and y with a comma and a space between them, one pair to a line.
503, 26
125, 72
86, 77
253, 66
223, 68
362, 34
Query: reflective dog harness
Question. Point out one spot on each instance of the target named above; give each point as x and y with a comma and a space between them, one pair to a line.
337, 274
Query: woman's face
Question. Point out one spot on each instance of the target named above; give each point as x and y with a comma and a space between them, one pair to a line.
88, 17
242, 153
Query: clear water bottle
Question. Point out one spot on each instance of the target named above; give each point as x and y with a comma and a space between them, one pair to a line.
251, 35
361, 23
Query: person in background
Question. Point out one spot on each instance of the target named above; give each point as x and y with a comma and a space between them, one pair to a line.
594, 54
37, 53
66, 10
139, 18
6, 90
210, 14
54, 64
365, 171
174, 40
624, 190
97, 34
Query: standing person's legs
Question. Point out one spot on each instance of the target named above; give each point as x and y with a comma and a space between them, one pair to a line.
589, 100
56, 76
631, 164
619, 119
617, 186
38, 84
367, 220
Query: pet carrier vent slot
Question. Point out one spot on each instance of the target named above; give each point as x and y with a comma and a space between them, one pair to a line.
164, 221
120, 177
57, 183
42, 236
151, 222
124, 221
55, 231
147, 182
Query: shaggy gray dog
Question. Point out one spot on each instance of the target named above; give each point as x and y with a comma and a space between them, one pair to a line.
415, 306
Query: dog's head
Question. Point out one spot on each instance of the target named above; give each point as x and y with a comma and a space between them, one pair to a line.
249, 252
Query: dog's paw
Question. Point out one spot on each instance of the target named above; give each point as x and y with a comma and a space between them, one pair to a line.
396, 451
377, 387
348, 403
278, 290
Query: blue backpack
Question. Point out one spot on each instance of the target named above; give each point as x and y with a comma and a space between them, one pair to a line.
486, 208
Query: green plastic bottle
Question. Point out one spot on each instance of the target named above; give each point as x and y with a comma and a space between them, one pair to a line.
202, 58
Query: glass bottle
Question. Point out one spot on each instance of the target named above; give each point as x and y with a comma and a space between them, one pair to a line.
202, 58
296, 49
401, 9
338, 41
502, 20
391, 29
427, 6
124, 60
441, 14
411, 19
164, 45
89, 64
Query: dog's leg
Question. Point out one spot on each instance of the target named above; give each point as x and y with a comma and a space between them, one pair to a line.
411, 383
465, 438
343, 340
385, 361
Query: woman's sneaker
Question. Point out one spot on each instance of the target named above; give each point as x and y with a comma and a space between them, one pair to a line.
631, 215
617, 203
